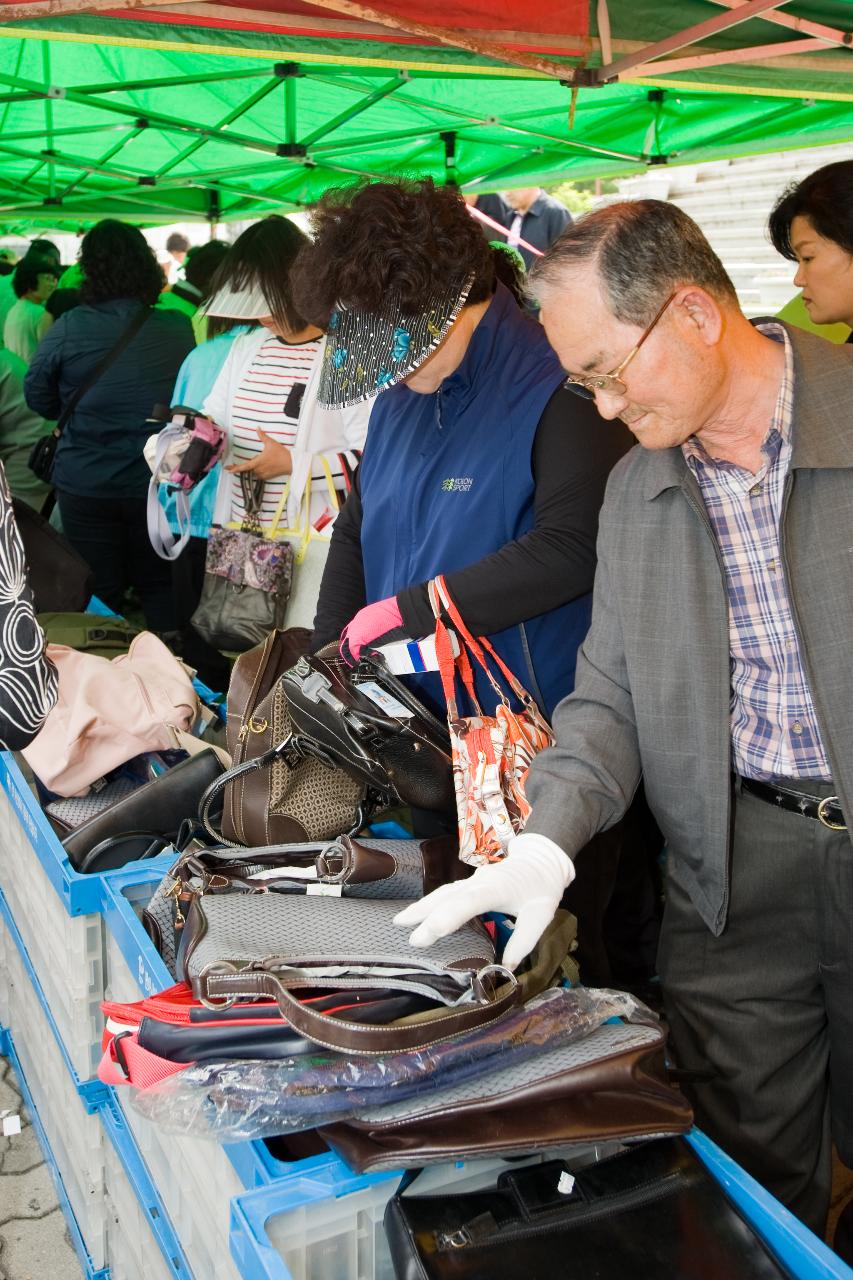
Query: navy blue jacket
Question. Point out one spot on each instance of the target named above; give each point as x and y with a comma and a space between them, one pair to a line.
100, 451
447, 480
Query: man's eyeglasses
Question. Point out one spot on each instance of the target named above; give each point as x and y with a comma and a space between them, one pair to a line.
610, 382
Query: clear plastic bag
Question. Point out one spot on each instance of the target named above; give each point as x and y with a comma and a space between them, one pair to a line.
236, 1101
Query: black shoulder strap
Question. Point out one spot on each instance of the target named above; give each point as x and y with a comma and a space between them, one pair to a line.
114, 352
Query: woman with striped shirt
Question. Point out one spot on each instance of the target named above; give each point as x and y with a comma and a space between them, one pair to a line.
265, 396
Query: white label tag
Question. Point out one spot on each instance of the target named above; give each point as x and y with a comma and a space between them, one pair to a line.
324, 890
566, 1185
11, 1126
285, 873
386, 701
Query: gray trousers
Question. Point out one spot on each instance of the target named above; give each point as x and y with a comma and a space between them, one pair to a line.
768, 1006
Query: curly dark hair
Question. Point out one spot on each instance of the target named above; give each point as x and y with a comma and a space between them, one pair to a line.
117, 262
263, 256
825, 197
404, 238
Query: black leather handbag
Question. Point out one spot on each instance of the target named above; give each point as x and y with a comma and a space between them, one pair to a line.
654, 1212
367, 722
144, 822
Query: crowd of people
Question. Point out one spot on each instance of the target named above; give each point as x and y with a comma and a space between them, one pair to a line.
680, 611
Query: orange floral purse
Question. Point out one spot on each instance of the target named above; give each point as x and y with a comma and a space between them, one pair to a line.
491, 754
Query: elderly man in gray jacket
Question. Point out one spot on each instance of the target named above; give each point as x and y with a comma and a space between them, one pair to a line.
718, 665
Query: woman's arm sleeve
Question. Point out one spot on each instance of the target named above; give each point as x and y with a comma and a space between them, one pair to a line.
342, 591
41, 385
573, 454
28, 679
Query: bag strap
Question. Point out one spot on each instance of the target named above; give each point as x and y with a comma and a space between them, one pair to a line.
448, 664
290, 747
113, 354
356, 1037
477, 646
126, 1062
164, 542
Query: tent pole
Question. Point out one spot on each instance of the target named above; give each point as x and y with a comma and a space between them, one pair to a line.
690, 35
832, 35
48, 119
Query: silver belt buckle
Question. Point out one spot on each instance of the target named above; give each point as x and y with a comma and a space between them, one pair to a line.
822, 818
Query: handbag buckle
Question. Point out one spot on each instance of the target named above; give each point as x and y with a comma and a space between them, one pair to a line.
222, 1002
485, 983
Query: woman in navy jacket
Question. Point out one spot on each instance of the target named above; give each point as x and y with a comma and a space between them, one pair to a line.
101, 477
478, 465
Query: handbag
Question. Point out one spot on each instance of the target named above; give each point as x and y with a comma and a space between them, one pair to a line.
242, 946
273, 794
181, 454
147, 1042
345, 867
60, 579
158, 808
369, 723
610, 1086
310, 550
43, 453
108, 711
654, 1211
88, 632
491, 754
247, 578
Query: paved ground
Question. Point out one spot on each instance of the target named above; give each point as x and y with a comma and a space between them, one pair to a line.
34, 1243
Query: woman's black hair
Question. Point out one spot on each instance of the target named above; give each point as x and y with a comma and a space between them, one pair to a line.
405, 239
118, 262
262, 256
825, 197
203, 262
29, 269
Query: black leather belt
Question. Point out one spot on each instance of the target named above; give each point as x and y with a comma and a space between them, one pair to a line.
825, 810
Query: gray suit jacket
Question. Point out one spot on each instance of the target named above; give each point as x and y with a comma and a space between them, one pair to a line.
652, 691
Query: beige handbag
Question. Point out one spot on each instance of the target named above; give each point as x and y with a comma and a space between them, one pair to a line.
110, 710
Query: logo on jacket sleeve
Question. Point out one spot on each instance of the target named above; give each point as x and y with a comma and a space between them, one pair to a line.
457, 484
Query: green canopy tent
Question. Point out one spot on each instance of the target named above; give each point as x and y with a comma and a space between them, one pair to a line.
222, 111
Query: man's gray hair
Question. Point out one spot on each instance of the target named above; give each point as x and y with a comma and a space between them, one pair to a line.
643, 249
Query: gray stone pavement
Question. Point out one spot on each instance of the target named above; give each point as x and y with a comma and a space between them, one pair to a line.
34, 1242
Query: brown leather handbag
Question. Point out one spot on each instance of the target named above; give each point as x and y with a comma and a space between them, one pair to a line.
274, 795
610, 1086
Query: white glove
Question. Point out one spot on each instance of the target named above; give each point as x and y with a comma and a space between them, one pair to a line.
528, 884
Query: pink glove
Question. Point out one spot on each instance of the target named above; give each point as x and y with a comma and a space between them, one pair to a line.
368, 625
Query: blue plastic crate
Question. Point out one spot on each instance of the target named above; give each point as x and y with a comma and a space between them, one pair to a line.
291, 1217
90, 1270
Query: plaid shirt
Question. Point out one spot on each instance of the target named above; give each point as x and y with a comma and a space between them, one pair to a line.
773, 723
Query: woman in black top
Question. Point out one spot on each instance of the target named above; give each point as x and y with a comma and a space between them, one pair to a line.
101, 477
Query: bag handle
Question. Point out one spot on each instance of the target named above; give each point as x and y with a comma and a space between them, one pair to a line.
449, 664
477, 646
292, 746
166, 545
356, 1037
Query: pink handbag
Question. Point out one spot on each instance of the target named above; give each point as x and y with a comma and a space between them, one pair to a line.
110, 710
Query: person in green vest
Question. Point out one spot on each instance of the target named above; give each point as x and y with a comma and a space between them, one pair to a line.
188, 294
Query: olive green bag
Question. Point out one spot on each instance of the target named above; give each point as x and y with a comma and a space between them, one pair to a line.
88, 632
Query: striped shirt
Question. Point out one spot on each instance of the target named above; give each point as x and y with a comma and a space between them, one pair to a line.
266, 398
773, 724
